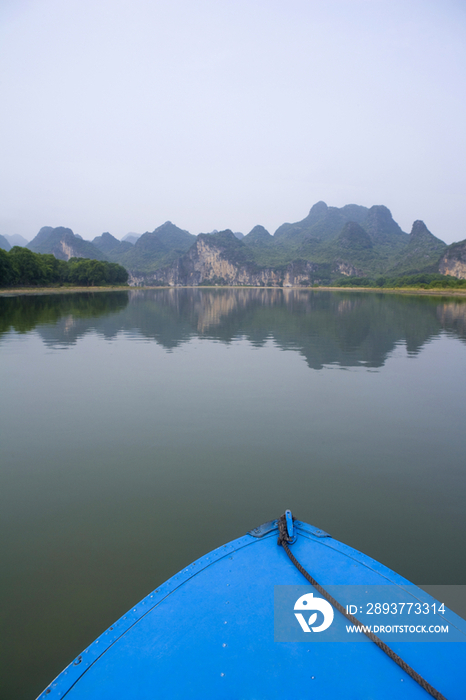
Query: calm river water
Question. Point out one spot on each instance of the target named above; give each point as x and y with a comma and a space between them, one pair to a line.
141, 429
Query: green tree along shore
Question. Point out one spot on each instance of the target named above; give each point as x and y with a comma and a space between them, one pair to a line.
419, 281
21, 267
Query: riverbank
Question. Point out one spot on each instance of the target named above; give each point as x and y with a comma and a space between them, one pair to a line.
380, 290
17, 291
400, 290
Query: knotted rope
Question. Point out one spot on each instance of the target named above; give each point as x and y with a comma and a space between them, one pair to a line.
284, 539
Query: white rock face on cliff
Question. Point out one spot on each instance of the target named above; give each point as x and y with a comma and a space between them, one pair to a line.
68, 250
209, 263
63, 244
348, 270
453, 262
223, 259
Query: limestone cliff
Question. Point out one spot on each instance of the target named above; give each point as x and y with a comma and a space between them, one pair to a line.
454, 261
223, 259
348, 270
63, 244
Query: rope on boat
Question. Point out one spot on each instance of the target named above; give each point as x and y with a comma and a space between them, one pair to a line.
283, 540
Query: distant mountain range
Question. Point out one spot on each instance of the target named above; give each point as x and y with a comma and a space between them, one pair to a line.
328, 244
7, 242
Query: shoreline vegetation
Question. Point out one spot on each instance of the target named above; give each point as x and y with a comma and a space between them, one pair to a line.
438, 291
20, 267
25, 272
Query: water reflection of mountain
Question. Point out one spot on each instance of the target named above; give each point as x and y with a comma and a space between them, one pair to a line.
342, 328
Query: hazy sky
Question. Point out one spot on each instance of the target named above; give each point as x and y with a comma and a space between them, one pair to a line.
117, 115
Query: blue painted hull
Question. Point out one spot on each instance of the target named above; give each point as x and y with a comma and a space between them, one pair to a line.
209, 632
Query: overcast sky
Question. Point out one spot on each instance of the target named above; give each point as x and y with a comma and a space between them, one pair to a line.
117, 115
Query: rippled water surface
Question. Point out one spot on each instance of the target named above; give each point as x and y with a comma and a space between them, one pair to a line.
141, 429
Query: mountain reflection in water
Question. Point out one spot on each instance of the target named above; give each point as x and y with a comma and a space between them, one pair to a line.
178, 419
341, 328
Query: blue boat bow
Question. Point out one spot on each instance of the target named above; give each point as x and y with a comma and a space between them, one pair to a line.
209, 632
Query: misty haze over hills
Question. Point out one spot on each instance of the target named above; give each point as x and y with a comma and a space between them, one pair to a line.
328, 244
